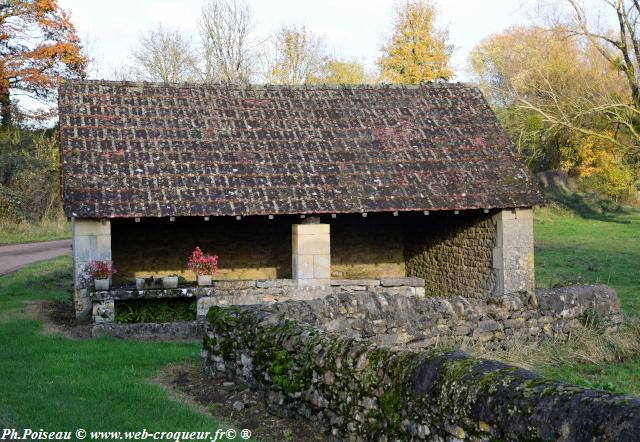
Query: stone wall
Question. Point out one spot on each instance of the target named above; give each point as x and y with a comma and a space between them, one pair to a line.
453, 253
370, 247
247, 292
354, 389
413, 321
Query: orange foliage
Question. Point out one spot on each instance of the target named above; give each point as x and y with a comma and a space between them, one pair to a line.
38, 47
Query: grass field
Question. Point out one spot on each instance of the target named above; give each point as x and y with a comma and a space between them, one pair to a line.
605, 249
596, 248
56, 383
45, 230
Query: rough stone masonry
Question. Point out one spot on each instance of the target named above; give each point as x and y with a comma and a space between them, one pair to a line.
353, 388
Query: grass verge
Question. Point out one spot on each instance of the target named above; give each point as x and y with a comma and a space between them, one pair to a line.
56, 383
46, 230
591, 356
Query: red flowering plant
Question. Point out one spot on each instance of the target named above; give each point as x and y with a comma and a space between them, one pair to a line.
100, 269
202, 263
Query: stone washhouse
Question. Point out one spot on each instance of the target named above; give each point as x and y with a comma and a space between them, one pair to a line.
296, 189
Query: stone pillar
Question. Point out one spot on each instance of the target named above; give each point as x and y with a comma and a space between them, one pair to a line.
91, 240
513, 252
311, 255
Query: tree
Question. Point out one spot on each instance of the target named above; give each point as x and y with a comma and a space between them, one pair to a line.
298, 55
225, 37
561, 102
164, 55
29, 174
620, 46
38, 47
336, 71
417, 50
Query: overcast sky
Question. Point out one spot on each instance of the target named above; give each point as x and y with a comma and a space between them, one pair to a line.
351, 28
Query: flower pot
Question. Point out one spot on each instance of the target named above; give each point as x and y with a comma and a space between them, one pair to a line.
170, 282
204, 280
102, 284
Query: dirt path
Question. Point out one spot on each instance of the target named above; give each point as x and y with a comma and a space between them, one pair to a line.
17, 255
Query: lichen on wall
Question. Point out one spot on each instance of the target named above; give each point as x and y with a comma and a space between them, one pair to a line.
453, 253
353, 389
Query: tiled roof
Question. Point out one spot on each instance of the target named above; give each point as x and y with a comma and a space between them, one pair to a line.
143, 149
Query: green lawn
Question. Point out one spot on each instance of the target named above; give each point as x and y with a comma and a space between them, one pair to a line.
605, 249
45, 230
55, 383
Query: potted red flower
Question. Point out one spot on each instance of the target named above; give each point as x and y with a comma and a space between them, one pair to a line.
203, 265
100, 271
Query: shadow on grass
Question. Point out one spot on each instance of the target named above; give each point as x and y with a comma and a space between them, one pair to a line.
588, 205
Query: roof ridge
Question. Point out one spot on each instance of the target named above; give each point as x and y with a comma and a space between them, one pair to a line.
267, 86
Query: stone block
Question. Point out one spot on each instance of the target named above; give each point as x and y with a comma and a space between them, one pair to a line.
311, 229
404, 281
302, 266
361, 282
86, 226
274, 283
311, 245
232, 284
313, 282
104, 311
322, 266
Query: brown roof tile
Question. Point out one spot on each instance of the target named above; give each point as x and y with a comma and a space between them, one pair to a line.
142, 149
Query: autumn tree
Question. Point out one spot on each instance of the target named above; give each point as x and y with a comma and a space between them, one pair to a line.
417, 50
38, 47
297, 56
164, 55
337, 71
228, 50
559, 101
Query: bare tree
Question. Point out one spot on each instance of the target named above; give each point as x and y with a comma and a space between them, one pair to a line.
298, 55
228, 54
620, 46
164, 55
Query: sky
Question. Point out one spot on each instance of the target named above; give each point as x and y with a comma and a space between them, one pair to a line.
351, 28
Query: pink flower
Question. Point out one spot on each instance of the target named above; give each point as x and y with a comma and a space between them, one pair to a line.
202, 263
100, 269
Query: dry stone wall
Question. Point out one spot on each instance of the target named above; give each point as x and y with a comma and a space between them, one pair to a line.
453, 253
355, 389
411, 321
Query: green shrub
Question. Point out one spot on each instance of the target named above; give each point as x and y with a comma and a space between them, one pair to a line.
156, 310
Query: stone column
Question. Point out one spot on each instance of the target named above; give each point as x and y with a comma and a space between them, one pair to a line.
311, 255
513, 252
91, 240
